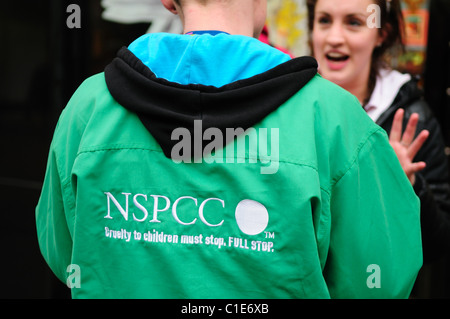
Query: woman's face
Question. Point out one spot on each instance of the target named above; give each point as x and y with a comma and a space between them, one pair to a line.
343, 42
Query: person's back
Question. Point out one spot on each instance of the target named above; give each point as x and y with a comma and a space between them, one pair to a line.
150, 193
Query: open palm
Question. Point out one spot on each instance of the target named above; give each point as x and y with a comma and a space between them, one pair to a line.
405, 145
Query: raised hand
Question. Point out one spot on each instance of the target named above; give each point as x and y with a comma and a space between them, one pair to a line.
405, 145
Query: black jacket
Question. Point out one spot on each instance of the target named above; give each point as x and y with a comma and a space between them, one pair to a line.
437, 68
432, 184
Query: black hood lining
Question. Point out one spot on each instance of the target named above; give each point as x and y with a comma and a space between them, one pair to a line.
163, 106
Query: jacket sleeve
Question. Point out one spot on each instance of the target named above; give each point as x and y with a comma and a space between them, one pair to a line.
375, 243
54, 238
55, 211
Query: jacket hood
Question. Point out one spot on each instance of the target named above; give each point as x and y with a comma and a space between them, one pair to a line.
164, 106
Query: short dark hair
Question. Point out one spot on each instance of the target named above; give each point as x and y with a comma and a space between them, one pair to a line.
393, 26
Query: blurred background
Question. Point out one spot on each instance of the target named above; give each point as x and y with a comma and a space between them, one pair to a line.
46, 52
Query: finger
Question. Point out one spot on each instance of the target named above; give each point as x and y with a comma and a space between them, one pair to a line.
416, 167
417, 144
397, 124
410, 131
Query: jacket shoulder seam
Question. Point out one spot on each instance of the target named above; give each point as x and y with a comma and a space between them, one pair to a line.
357, 152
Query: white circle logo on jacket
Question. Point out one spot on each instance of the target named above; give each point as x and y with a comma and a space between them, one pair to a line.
252, 217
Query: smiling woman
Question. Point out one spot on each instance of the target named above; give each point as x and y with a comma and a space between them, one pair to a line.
343, 42
352, 53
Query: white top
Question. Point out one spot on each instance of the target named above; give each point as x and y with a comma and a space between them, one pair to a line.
386, 89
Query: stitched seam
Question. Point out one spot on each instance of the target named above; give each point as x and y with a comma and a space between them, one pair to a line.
355, 156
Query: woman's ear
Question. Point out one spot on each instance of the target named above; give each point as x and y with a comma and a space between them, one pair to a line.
170, 5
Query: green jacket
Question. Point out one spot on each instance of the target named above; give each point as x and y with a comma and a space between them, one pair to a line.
309, 202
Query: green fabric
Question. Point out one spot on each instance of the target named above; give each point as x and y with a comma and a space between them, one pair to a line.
338, 203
